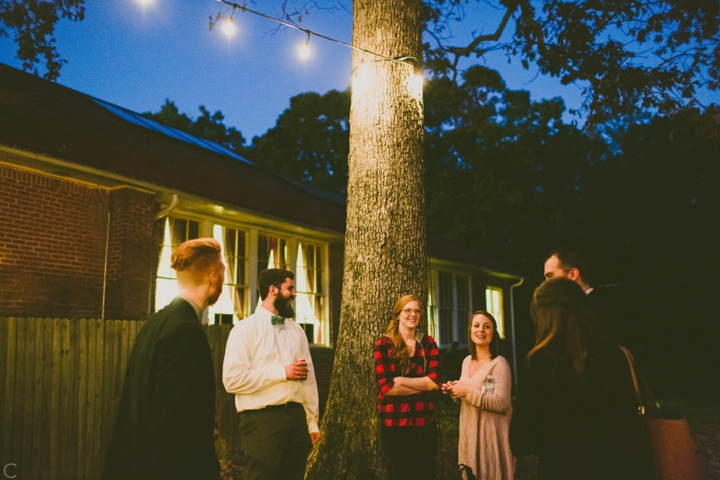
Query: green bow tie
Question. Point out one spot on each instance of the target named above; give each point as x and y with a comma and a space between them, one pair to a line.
277, 320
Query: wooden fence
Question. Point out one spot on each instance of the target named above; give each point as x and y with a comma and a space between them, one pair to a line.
60, 384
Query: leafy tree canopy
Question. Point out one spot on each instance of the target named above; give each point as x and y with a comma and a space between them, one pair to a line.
207, 125
310, 141
32, 24
628, 55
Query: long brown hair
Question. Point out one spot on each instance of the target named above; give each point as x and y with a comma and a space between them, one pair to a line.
562, 319
494, 342
401, 352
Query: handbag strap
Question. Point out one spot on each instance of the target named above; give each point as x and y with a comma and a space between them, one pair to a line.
646, 400
631, 363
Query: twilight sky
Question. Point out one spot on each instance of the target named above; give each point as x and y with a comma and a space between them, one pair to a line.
137, 56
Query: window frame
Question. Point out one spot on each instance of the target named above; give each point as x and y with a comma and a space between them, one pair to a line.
206, 226
435, 326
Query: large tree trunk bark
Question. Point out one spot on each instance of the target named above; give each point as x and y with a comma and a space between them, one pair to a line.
385, 240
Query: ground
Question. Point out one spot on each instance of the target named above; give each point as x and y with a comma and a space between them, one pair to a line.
703, 417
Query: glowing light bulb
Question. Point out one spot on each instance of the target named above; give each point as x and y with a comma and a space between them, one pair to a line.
228, 27
304, 51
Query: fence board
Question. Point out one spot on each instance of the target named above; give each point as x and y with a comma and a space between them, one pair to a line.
8, 412
54, 421
47, 361
66, 375
82, 397
90, 427
3, 391
19, 400
72, 434
38, 395
61, 383
25, 435
96, 459
110, 355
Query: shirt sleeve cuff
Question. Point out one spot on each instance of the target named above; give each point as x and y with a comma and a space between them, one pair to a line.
278, 374
313, 427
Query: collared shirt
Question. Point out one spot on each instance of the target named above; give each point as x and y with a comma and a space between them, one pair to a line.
254, 367
198, 311
412, 410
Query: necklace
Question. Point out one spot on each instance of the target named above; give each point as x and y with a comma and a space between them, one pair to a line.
476, 364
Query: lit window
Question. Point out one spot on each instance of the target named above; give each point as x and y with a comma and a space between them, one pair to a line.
308, 284
176, 231
272, 252
494, 306
234, 299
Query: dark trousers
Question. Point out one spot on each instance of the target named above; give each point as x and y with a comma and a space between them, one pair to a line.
412, 452
276, 443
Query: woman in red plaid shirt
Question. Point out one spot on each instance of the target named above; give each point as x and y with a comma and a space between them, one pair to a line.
407, 367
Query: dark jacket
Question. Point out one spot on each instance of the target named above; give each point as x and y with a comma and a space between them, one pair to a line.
166, 416
579, 428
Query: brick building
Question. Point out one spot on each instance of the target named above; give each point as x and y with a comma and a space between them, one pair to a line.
93, 198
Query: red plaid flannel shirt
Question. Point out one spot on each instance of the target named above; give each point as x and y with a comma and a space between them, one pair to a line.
411, 410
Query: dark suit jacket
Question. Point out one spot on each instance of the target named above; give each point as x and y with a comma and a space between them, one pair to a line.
610, 323
166, 416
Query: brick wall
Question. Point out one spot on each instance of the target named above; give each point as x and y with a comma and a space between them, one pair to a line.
133, 255
52, 247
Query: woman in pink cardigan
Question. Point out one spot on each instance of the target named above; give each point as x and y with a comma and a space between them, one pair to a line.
484, 390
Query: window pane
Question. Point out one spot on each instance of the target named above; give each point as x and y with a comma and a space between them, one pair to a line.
272, 252
463, 306
232, 303
308, 304
494, 305
177, 231
445, 307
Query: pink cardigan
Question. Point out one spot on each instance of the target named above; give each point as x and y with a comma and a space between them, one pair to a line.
484, 443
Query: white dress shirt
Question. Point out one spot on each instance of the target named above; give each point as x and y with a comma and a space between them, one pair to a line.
254, 367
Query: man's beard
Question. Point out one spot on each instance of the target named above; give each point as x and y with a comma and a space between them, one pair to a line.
215, 295
284, 306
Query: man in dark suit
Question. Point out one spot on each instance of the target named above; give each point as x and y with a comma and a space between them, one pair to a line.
571, 264
166, 417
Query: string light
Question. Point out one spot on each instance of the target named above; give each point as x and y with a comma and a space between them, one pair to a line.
304, 50
228, 27
402, 59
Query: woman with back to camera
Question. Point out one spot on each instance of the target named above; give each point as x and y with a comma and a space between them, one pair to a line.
484, 390
576, 407
407, 370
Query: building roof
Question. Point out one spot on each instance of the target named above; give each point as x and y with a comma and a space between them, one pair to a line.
47, 119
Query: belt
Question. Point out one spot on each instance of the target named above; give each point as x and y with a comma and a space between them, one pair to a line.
284, 405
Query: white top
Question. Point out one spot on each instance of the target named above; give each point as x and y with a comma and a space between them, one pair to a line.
254, 366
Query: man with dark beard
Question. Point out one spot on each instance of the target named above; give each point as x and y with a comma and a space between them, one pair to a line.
268, 367
166, 417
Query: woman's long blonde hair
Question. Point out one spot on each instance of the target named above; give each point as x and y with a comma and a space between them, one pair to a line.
401, 352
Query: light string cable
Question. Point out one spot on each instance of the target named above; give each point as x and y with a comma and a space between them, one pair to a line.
408, 60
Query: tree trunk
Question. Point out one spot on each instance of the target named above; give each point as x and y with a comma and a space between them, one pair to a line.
385, 240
